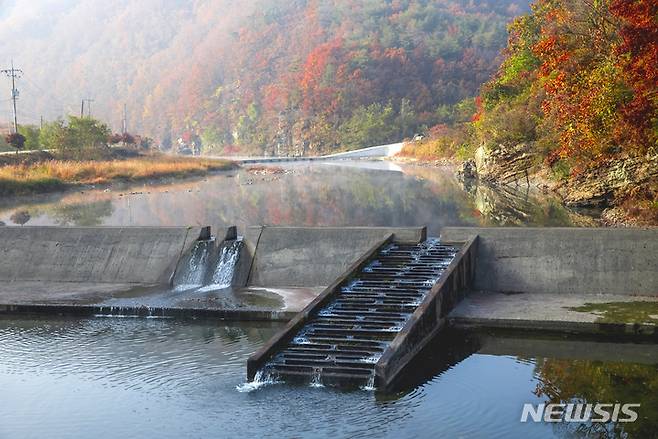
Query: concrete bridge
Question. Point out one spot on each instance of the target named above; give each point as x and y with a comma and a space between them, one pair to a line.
379, 151
371, 152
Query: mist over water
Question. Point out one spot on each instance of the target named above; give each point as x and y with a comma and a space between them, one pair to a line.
339, 194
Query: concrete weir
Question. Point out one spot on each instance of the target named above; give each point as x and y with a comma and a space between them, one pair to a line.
360, 302
576, 280
129, 255
142, 271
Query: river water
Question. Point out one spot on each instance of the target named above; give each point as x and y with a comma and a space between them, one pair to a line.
300, 194
157, 378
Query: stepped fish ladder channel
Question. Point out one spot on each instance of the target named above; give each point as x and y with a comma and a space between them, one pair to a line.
341, 343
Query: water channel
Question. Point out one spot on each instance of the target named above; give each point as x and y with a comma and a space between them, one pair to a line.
131, 377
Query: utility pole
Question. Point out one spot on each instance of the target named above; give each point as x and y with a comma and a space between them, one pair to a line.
82, 107
13, 74
124, 122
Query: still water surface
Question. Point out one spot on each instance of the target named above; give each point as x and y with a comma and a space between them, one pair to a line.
303, 194
156, 378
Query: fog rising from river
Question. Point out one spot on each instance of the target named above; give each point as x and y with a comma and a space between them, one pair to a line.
339, 194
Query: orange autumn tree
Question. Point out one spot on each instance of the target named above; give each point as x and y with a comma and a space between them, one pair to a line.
580, 79
638, 57
316, 76
581, 76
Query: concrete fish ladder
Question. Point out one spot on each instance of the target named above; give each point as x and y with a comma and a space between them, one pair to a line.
371, 322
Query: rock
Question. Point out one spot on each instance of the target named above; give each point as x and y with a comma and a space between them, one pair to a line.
614, 216
504, 163
601, 185
467, 171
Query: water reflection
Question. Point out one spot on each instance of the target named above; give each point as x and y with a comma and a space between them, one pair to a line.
336, 194
573, 381
170, 379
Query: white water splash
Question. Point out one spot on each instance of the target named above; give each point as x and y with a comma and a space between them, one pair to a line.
261, 379
223, 274
207, 271
316, 380
373, 359
193, 275
370, 385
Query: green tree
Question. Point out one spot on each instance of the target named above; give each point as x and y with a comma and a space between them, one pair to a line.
88, 132
55, 135
76, 134
406, 120
4, 146
371, 125
31, 134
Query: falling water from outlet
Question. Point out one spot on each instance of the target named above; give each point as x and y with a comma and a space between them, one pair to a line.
209, 266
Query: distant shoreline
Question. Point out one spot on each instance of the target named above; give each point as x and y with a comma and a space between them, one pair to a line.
55, 174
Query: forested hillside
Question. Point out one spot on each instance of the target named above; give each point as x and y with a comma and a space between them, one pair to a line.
153, 55
577, 94
300, 76
310, 76
579, 79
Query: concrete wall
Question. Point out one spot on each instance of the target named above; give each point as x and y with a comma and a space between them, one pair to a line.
307, 256
132, 255
564, 260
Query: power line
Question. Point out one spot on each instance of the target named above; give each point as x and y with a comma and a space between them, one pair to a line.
62, 105
29, 116
13, 74
52, 109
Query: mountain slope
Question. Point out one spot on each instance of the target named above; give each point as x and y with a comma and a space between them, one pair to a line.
256, 75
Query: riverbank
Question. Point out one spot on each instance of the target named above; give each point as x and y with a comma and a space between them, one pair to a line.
625, 190
48, 173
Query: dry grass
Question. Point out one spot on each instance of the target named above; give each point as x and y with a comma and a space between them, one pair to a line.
446, 143
56, 174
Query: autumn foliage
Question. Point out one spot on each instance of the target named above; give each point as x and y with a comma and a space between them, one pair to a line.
15, 140
583, 77
308, 77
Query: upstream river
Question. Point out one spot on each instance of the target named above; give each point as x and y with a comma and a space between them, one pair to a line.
299, 194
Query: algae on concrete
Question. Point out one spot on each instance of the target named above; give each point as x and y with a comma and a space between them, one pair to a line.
621, 312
